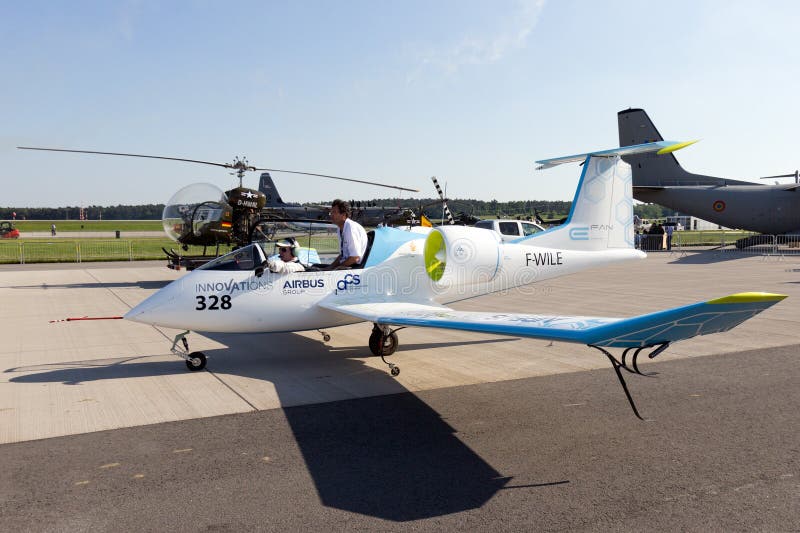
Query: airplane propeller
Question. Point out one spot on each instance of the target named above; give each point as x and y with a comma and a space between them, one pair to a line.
240, 165
446, 209
796, 176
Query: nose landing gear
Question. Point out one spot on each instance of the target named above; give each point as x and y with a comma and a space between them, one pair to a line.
383, 342
195, 360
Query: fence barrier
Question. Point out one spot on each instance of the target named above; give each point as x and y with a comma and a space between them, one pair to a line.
85, 250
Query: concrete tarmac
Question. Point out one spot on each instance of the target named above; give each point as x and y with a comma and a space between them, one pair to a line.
80, 377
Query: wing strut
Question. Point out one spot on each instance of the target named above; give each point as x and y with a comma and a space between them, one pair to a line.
633, 368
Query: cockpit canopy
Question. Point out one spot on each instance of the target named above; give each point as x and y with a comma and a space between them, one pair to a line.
246, 258
192, 208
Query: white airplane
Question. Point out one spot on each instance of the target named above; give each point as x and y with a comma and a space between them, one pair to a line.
406, 278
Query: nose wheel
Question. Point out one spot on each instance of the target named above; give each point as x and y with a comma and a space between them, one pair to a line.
383, 342
195, 360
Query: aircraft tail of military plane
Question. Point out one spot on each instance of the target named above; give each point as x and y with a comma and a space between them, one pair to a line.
651, 170
267, 186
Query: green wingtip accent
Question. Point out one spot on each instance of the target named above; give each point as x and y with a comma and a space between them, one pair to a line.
748, 297
676, 147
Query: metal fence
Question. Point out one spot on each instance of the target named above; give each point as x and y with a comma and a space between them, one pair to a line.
750, 244
86, 250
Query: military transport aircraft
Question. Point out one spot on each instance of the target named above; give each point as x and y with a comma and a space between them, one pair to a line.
769, 209
366, 215
406, 278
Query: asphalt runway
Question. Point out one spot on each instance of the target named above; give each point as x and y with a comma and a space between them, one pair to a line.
101, 428
720, 452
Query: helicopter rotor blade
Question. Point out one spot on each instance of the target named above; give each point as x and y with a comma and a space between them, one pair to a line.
224, 165
237, 165
354, 180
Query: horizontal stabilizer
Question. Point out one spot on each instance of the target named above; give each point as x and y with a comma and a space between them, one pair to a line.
651, 329
661, 147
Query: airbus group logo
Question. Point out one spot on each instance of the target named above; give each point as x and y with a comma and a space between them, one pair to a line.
347, 281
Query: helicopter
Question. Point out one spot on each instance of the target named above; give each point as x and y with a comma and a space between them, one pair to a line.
202, 214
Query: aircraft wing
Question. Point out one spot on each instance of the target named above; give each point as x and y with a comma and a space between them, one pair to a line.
662, 147
651, 329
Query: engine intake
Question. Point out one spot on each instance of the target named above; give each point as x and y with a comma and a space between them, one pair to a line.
456, 255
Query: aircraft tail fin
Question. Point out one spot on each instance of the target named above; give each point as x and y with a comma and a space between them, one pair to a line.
635, 127
267, 186
601, 217
651, 170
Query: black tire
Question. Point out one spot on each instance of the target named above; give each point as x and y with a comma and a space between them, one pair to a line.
389, 343
196, 361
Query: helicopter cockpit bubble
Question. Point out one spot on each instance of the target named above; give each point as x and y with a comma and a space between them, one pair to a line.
191, 209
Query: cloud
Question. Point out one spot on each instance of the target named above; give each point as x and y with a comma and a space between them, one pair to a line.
512, 35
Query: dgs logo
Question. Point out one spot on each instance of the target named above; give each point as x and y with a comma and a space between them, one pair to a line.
349, 279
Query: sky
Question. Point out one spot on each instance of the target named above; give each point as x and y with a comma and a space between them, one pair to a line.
473, 92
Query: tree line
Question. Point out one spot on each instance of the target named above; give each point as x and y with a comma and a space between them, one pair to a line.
430, 206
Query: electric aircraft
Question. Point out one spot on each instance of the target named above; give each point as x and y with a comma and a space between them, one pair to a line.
406, 278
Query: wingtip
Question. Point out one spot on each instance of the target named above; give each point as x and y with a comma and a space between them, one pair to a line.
748, 297
675, 147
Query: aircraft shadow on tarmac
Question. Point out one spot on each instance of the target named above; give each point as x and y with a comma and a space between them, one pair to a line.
705, 257
154, 285
389, 456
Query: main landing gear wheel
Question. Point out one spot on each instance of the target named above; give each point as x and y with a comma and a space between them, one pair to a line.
196, 361
382, 343
390, 342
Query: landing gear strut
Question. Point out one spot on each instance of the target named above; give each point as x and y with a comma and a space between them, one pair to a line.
632, 367
325, 336
195, 360
383, 343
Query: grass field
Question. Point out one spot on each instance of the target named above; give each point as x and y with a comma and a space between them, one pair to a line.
63, 249
89, 225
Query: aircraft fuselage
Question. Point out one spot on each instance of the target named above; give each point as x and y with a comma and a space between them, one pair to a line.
766, 209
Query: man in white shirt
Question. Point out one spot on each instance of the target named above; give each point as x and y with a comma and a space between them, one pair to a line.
287, 259
352, 237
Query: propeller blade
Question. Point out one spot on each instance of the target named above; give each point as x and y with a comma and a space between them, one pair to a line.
792, 175
446, 209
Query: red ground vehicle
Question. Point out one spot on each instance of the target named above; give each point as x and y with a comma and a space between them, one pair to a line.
8, 231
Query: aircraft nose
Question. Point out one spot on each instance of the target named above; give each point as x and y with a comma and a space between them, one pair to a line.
152, 309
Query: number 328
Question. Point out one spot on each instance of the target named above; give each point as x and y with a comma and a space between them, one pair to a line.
214, 302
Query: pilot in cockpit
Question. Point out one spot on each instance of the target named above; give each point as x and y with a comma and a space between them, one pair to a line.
287, 260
